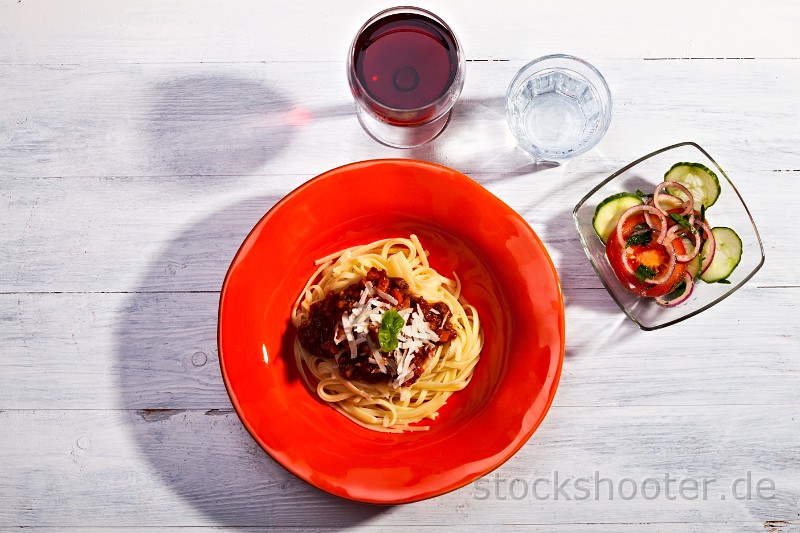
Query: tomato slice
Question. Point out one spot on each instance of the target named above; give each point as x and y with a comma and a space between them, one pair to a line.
652, 255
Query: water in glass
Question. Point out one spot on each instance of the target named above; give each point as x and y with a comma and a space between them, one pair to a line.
556, 111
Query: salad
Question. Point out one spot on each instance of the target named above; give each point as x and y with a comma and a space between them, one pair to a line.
660, 244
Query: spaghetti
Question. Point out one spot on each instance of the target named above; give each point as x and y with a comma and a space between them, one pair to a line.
386, 388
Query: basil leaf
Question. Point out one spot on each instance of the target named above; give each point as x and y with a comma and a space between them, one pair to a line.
641, 194
387, 340
644, 272
391, 324
640, 238
392, 321
724, 281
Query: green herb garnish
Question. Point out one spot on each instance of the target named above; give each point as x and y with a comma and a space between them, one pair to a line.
702, 219
725, 281
641, 194
644, 272
682, 221
639, 238
391, 324
678, 289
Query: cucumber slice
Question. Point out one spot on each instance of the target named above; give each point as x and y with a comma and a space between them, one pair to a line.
699, 179
609, 210
726, 257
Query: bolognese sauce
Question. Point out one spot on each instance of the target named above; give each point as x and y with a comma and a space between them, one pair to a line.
323, 332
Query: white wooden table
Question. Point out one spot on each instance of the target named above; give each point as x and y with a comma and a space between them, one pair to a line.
140, 141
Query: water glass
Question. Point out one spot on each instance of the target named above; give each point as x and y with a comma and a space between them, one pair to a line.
558, 107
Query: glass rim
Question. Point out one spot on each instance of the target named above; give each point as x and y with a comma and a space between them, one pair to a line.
353, 79
525, 70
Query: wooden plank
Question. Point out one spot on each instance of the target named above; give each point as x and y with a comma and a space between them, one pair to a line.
107, 351
190, 468
232, 119
88, 226
57, 32
158, 351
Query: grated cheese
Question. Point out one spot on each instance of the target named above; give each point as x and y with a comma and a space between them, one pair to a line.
386, 296
369, 310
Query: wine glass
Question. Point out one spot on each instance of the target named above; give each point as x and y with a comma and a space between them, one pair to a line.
406, 70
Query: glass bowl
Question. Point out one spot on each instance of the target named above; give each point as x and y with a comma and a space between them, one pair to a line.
729, 210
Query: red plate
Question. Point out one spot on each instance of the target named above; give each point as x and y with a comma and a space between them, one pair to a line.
506, 274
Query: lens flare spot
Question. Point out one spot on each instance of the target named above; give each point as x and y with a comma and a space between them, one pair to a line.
299, 116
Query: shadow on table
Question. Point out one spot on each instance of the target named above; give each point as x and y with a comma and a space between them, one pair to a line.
167, 358
215, 124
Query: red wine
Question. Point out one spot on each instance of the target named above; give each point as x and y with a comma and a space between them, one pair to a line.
406, 60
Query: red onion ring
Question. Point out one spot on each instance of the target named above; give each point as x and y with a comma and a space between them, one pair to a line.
625, 263
688, 204
712, 246
647, 218
674, 199
672, 234
647, 209
687, 278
